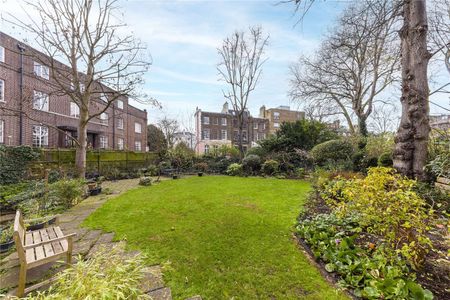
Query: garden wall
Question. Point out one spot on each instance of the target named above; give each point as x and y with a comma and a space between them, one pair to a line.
97, 161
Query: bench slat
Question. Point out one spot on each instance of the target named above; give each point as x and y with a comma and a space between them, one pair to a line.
56, 245
64, 243
47, 247
40, 254
29, 254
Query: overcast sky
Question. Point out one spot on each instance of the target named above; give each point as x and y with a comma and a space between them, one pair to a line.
183, 36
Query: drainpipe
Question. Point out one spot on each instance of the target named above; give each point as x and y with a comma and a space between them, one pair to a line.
114, 126
22, 50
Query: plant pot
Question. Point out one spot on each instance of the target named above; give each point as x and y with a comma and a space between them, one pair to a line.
4, 247
95, 191
42, 224
92, 185
174, 176
200, 174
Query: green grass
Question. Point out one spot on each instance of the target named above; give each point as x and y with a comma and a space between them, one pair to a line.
220, 237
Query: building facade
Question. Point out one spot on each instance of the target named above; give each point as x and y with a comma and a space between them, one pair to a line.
440, 122
214, 129
186, 137
32, 113
278, 115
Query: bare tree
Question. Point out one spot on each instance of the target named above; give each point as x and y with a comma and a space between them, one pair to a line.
240, 67
88, 59
356, 62
384, 119
169, 127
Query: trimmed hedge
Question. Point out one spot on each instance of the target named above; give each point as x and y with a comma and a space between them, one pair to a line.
332, 151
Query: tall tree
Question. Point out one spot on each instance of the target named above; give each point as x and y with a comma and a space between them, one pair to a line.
241, 60
355, 63
156, 140
169, 127
99, 63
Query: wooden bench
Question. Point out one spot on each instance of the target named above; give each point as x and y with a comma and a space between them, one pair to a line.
39, 247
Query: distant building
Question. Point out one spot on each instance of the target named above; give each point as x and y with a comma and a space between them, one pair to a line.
214, 129
278, 115
441, 122
185, 137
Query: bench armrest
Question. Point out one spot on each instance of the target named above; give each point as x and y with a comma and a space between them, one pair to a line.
69, 236
43, 218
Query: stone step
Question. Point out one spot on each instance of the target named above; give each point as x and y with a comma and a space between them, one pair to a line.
196, 297
152, 279
161, 294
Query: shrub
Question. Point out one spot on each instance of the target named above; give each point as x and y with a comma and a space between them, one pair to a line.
300, 173
440, 165
107, 275
334, 151
270, 167
66, 192
145, 181
201, 167
234, 169
152, 170
251, 164
14, 162
385, 160
387, 205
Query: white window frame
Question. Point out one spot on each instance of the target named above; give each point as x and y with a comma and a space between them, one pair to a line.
103, 142
276, 115
2, 91
103, 97
255, 125
137, 127
2, 131
206, 120
104, 118
2, 54
276, 125
41, 70
224, 121
216, 121
120, 123
40, 135
244, 135
119, 104
222, 135
120, 143
40, 101
206, 134
74, 110
206, 149
137, 146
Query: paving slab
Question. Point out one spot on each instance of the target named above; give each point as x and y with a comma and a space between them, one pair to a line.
161, 294
152, 279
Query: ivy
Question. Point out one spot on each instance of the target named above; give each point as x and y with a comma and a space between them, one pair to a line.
14, 162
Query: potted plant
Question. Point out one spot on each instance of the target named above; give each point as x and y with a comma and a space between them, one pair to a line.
201, 167
6, 239
41, 222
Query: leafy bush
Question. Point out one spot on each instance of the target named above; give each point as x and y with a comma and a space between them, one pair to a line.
145, 181
6, 234
334, 151
66, 192
107, 275
385, 160
152, 170
14, 163
387, 205
201, 166
372, 272
440, 165
234, 169
270, 167
251, 164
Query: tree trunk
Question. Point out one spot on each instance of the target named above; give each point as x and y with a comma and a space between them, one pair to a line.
411, 142
362, 126
80, 155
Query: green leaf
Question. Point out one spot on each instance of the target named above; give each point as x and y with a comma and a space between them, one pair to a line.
330, 267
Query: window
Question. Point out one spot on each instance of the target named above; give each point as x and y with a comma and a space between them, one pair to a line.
264, 126
40, 136
2, 131
2, 90
205, 134
104, 98
40, 101
216, 121
120, 143
137, 146
276, 115
255, 125
276, 124
244, 135
137, 127
41, 70
119, 104
206, 120
236, 135
104, 118
120, 123
103, 142
2, 54
224, 121
224, 134
206, 149
74, 110
82, 87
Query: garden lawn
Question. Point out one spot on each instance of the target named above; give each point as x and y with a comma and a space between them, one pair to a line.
220, 237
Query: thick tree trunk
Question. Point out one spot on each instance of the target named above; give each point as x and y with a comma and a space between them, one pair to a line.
80, 155
362, 126
411, 142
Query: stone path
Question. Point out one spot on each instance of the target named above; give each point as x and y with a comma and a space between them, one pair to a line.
86, 243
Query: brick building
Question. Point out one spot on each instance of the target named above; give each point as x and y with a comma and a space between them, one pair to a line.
214, 129
440, 122
278, 115
49, 116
